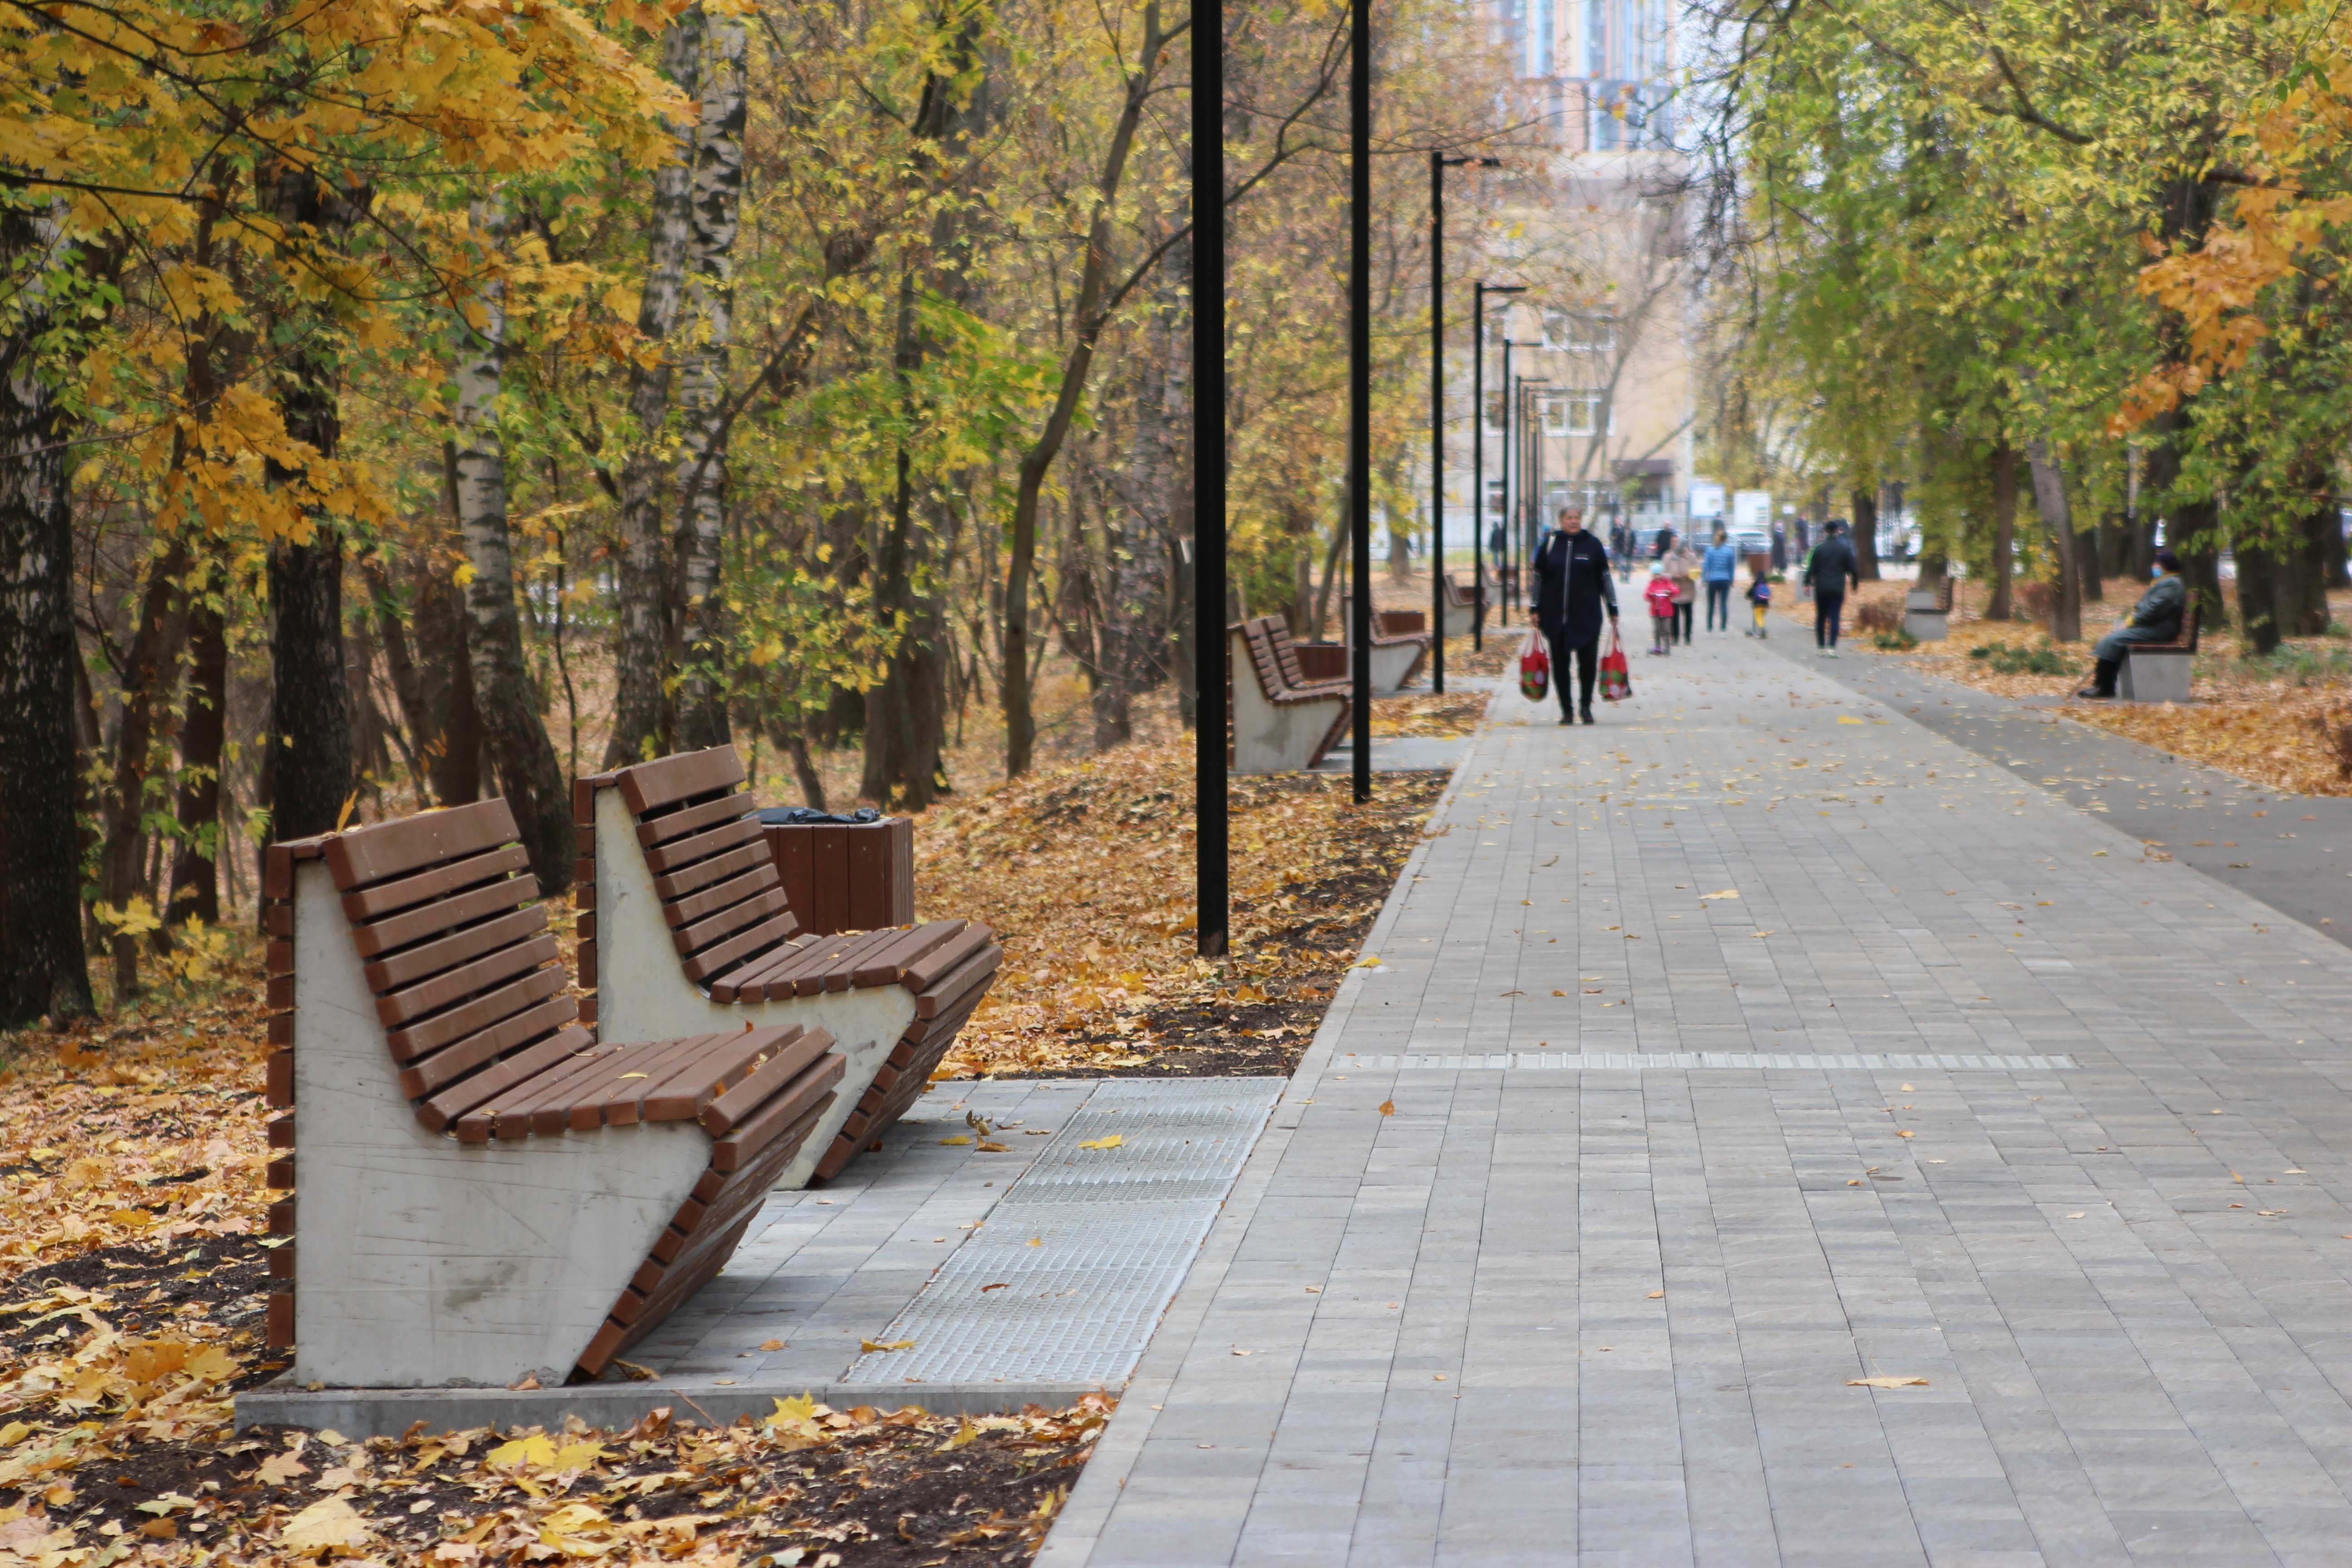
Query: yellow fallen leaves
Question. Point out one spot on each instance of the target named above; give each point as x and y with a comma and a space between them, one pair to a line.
328, 1522
1111, 1141
539, 1452
1387, 1108
1887, 1383
1721, 893
870, 1346
959, 1138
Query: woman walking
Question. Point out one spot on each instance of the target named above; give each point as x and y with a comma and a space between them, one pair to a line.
1572, 588
1682, 566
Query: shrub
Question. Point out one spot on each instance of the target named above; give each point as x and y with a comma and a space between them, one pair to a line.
1896, 641
1877, 615
2033, 598
2043, 659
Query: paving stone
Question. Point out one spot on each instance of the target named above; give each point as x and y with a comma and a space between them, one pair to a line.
2123, 1368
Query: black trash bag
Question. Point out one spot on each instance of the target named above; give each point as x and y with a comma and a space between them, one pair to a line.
805, 816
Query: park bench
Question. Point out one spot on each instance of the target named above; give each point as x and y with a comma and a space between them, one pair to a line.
1927, 612
1281, 723
485, 1192
686, 927
1461, 607
2158, 671
1400, 648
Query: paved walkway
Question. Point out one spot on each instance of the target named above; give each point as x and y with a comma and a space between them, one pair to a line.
1614, 1316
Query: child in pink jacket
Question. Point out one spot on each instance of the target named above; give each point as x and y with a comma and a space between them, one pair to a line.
1661, 594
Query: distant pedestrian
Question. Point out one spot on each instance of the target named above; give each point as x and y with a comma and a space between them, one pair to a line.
1572, 589
1682, 565
1760, 599
1832, 568
1780, 548
1661, 595
1721, 565
2156, 618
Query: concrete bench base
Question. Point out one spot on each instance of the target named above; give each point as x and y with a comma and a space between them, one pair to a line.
1926, 626
2152, 677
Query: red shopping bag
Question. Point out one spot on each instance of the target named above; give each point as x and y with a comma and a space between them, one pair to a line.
1534, 671
1616, 681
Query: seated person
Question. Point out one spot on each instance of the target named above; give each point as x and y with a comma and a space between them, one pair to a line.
2155, 619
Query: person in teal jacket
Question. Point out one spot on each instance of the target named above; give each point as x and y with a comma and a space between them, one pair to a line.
2156, 618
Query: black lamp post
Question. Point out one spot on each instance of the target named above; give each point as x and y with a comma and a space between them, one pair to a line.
1213, 884
1511, 478
1360, 382
1438, 165
1478, 451
1530, 518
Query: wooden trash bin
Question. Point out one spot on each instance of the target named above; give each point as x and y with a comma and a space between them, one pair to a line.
842, 875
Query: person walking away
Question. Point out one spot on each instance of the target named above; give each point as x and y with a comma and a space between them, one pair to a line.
1721, 565
1681, 566
1760, 599
1661, 595
1780, 548
1830, 571
2156, 618
1572, 588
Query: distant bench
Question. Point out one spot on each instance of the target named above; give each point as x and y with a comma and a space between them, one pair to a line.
1927, 612
1461, 607
484, 1192
1400, 648
685, 926
2158, 671
1282, 722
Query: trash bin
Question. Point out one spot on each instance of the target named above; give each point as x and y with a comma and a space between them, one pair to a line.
844, 875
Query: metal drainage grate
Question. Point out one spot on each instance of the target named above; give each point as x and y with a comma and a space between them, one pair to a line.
1693, 1061
1069, 1275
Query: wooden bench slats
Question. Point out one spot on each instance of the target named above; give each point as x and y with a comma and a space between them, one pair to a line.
948, 1019
689, 820
890, 964
685, 911
646, 787
619, 1098
432, 957
950, 987
443, 914
748, 984
716, 960
735, 1195
689, 878
668, 858
926, 972
384, 849
367, 903
452, 1027
806, 971
438, 1111
513, 1114
727, 921
681, 1093
791, 1057
779, 1114
447, 1066
458, 983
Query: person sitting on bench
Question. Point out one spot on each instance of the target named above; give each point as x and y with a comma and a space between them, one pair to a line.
2155, 619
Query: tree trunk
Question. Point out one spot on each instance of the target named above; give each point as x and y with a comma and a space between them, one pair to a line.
150, 668
195, 869
1020, 721
44, 967
445, 723
2088, 543
311, 701
2001, 606
906, 713
1865, 532
641, 712
2304, 590
2259, 570
714, 202
2057, 520
505, 699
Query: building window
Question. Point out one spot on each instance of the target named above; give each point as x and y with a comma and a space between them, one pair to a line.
1579, 414
1581, 332
1494, 411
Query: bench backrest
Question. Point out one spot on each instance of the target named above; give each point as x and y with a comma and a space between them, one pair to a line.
1400, 623
455, 950
712, 869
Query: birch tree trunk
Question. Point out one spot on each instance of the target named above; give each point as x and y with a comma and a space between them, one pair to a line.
2058, 520
1134, 641
714, 202
504, 698
150, 668
43, 968
641, 716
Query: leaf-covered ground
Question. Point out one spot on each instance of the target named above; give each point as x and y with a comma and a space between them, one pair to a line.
2284, 720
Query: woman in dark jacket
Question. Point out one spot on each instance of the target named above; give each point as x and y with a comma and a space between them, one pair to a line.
1572, 588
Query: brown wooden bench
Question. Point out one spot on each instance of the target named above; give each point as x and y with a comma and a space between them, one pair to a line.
1281, 723
1400, 648
685, 926
2159, 672
487, 1191
1462, 607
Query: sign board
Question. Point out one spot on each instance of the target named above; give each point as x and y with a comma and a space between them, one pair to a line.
1751, 509
1706, 499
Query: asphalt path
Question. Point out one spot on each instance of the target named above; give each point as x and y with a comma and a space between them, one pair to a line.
2291, 852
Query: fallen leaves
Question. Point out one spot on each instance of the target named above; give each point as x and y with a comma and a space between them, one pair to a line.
1109, 1141
1723, 893
1387, 1108
328, 1522
1887, 1383
871, 1347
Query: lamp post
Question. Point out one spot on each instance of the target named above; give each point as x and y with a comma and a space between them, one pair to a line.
1213, 884
1529, 522
1438, 165
1510, 428
1360, 382
1478, 452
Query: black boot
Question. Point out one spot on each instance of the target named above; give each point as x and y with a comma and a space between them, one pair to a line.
2102, 680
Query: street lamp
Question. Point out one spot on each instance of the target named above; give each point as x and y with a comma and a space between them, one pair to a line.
1527, 524
1438, 165
1478, 452
1212, 870
1510, 422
